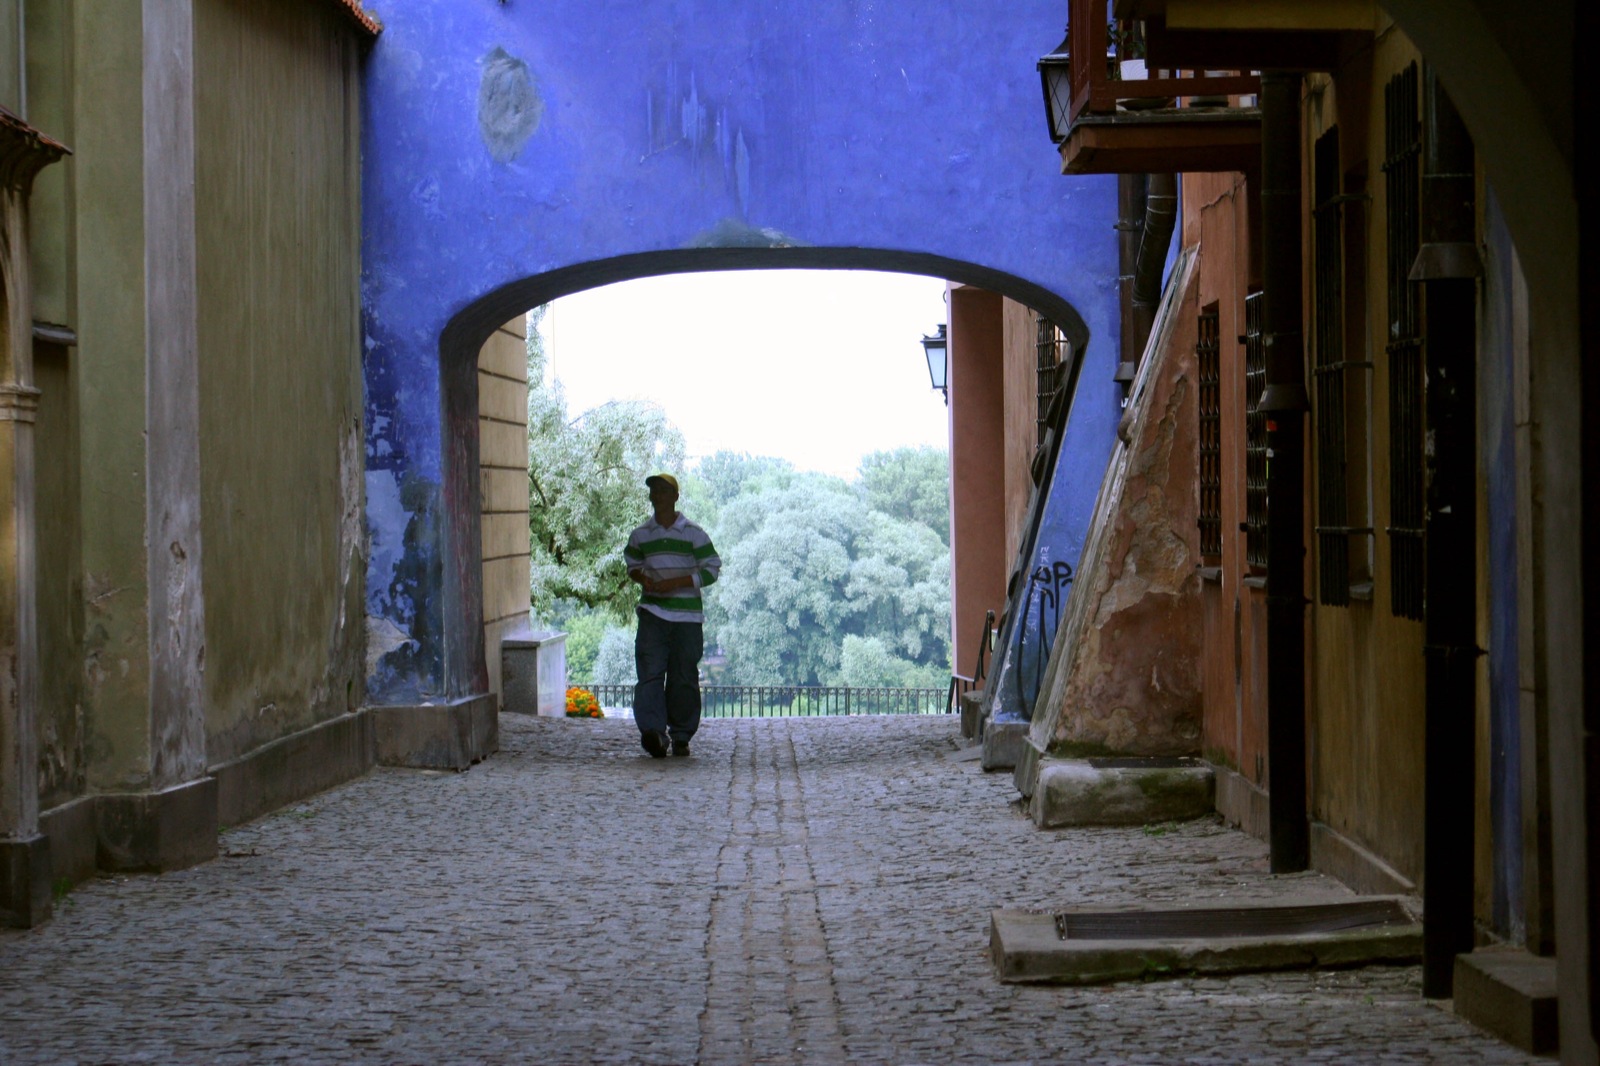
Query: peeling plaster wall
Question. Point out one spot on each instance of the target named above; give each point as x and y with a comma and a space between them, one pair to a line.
283, 477
1216, 219
1124, 676
514, 153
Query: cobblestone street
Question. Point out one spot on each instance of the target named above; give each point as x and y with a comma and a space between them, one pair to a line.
800, 890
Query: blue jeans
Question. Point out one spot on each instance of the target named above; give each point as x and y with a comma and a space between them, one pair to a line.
667, 697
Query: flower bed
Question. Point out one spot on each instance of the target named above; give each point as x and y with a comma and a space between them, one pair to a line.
582, 704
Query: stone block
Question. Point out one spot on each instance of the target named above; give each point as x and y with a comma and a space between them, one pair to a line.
505, 353
502, 444
533, 673
1510, 993
149, 832
506, 401
1003, 743
972, 714
441, 736
504, 490
505, 588
1026, 773
505, 535
1125, 792
25, 882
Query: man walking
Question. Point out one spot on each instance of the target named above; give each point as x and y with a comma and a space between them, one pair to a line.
672, 559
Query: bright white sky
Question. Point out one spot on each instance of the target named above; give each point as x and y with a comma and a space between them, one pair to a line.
820, 367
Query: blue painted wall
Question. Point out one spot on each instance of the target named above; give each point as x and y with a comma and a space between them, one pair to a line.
517, 151
1497, 436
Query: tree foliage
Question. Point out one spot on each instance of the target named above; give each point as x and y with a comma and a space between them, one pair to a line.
586, 489
809, 564
911, 484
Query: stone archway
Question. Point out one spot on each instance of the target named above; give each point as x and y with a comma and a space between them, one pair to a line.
512, 154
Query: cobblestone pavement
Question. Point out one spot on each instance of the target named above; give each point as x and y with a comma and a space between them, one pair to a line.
799, 890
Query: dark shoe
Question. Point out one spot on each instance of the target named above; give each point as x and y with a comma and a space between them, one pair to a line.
655, 744
680, 747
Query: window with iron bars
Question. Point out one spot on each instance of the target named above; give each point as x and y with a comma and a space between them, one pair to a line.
1053, 353
1402, 152
1255, 437
1328, 412
1208, 355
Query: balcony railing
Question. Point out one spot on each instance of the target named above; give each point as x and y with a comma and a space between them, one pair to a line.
785, 701
1091, 64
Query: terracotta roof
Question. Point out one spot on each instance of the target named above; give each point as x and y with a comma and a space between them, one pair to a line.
24, 151
369, 22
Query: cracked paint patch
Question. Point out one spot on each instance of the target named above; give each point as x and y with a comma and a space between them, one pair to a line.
732, 233
509, 105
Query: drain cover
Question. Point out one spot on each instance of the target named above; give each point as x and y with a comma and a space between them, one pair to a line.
1092, 947
1209, 922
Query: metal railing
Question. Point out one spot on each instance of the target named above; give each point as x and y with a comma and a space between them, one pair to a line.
798, 701
961, 684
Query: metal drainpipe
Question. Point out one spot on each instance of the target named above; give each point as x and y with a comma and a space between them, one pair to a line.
1284, 404
1448, 267
1130, 226
1586, 96
1160, 216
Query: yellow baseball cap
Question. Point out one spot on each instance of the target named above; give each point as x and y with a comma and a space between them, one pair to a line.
667, 478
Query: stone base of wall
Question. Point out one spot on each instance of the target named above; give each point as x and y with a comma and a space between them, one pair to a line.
73, 836
1244, 804
445, 736
150, 832
24, 882
300, 765
1334, 853
1241, 802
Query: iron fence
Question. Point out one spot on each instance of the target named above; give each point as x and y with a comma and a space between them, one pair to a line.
784, 701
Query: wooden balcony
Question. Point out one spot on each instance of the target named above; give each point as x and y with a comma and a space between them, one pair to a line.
1116, 126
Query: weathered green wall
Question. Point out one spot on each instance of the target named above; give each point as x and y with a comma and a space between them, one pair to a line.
278, 236
107, 225
63, 766
10, 58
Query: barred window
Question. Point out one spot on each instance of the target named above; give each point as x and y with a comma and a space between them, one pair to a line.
1328, 412
1255, 450
1402, 150
1052, 350
1208, 356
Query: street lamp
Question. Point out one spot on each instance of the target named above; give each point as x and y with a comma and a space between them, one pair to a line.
1055, 74
936, 348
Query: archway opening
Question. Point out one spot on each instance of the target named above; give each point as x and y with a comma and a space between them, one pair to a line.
990, 433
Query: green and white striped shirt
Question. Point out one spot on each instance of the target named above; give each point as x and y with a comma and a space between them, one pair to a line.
661, 552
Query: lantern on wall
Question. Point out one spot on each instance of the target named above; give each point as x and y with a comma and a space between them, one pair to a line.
936, 348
